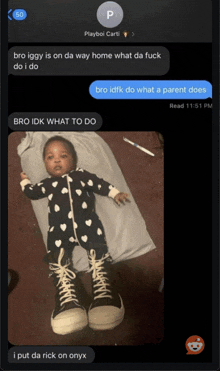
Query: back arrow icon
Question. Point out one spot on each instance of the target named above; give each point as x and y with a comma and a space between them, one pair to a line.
9, 15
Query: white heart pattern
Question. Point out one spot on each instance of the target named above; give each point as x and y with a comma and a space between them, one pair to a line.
56, 208
79, 192
71, 239
70, 215
70, 179
83, 184
88, 222
43, 189
99, 186
84, 205
58, 243
39, 184
84, 238
54, 184
99, 231
90, 182
64, 190
75, 225
63, 226
50, 196
51, 229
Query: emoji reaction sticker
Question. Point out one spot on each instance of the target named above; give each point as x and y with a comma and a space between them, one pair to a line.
195, 345
125, 33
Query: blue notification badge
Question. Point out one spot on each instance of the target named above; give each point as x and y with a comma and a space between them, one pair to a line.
150, 89
19, 14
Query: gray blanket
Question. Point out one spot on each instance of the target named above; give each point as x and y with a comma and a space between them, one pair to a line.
125, 229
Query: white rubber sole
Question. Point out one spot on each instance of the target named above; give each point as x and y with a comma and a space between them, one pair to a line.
105, 326
69, 329
69, 322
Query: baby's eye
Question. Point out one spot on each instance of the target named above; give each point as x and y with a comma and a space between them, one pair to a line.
64, 156
49, 157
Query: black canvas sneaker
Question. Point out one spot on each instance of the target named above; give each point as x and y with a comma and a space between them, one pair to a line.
107, 309
69, 315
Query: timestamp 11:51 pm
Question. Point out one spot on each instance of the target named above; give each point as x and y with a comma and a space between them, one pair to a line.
190, 105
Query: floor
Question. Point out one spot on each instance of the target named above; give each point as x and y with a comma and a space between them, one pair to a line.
31, 297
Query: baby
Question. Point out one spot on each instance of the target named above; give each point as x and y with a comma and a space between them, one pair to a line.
74, 222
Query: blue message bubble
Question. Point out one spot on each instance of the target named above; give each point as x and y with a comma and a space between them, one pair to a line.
150, 89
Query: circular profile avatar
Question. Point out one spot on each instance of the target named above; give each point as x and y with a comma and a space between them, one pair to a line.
195, 344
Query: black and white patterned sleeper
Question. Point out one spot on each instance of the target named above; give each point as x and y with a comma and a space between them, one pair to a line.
71, 208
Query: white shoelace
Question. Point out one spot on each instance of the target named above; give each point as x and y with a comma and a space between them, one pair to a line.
99, 276
65, 275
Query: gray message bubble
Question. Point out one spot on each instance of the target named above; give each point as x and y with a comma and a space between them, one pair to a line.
51, 354
50, 121
88, 60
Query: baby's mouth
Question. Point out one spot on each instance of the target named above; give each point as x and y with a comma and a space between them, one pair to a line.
58, 167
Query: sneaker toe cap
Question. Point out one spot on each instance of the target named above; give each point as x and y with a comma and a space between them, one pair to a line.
105, 317
69, 321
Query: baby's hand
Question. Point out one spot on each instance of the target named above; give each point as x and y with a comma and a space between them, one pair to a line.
23, 175
121, 197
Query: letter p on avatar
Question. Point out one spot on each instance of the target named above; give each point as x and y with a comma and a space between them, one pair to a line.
110, 13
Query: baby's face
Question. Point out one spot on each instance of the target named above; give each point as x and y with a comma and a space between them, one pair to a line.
58, 159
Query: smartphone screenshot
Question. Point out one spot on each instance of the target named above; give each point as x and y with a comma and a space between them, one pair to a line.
110, 135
